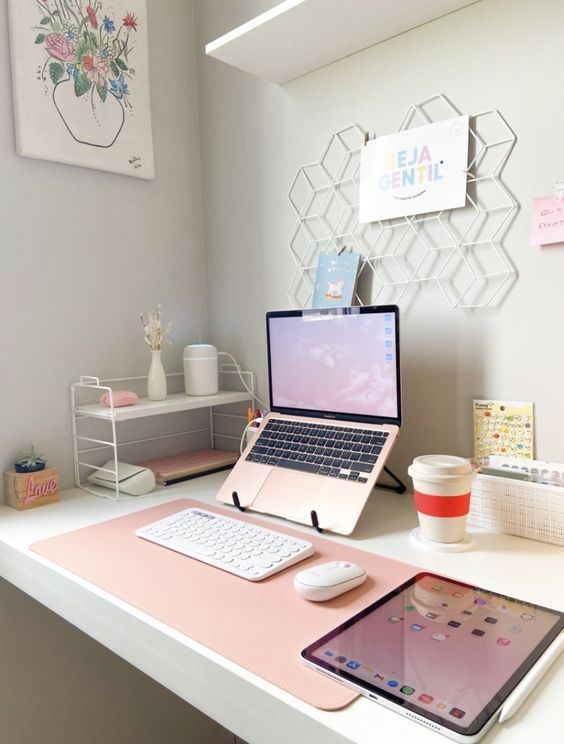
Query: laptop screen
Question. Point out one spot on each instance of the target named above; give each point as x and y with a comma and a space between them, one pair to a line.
338, 363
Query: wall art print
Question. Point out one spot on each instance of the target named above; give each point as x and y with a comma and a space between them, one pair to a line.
415, 171
80, 73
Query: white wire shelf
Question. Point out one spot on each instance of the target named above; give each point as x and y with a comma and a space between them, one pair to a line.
92, 448
171, 404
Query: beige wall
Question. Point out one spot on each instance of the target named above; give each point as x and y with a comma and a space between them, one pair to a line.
500, 54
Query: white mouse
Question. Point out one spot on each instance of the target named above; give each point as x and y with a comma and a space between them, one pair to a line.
328, 580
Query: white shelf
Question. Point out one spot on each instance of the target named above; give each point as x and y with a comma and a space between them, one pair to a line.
171, 404
298, 36
92, 448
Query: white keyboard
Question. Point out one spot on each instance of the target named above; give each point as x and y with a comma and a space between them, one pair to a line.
230, 544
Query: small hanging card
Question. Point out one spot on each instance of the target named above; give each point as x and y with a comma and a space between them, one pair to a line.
335, 280
415, 171
503, 428
548, 221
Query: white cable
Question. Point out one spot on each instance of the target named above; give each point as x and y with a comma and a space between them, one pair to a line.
247, 388
242, 444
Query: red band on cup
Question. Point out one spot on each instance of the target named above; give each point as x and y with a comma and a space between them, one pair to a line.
442, 506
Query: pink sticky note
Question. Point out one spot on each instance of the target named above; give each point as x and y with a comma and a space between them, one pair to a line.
548, 221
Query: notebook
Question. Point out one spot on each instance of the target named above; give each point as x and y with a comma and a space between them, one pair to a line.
189, 464
335, 393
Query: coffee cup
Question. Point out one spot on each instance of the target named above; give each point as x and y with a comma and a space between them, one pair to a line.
441, 486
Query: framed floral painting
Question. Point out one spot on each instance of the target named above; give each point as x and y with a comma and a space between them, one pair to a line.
80, 73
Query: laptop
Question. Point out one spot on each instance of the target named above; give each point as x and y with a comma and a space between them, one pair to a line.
335, 393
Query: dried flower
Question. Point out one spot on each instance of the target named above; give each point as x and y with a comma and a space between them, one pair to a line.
155, 334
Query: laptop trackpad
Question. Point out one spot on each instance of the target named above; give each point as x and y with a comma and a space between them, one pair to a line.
289, 494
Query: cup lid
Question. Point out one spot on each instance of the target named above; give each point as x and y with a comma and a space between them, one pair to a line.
433, 465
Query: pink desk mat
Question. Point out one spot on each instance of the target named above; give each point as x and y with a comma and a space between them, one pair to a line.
261, 626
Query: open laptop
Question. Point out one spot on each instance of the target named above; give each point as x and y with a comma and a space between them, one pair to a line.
334, 379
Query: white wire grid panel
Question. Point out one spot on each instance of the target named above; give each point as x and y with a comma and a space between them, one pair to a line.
532, 510
458, 250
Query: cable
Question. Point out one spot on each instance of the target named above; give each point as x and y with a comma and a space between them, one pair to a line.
265, 408
242, 443
239, 372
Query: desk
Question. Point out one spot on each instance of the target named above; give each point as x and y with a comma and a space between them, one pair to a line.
242, 702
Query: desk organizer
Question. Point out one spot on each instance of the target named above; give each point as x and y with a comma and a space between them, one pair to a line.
532, 510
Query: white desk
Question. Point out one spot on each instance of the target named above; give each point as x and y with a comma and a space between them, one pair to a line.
242, 702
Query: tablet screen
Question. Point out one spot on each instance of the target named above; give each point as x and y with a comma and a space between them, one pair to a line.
447, 651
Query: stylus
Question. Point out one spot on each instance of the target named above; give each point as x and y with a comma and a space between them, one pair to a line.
531, 679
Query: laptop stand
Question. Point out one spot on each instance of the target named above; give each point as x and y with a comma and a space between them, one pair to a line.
399, 488
313, 513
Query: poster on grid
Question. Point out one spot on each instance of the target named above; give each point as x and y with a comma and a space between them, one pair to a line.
415, 171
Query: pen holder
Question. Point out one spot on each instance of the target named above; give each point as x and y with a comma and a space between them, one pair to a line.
532, 510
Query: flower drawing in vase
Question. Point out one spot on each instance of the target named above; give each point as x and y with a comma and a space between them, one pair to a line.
156, 382
155, 337
88, 61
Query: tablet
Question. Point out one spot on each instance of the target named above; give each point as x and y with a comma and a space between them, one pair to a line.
441, 652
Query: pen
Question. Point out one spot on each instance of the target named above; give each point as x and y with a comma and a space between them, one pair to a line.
531, 679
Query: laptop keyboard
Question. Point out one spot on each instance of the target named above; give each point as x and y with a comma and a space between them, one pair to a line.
323, 449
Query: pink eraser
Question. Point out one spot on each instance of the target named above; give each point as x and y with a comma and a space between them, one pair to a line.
120, 398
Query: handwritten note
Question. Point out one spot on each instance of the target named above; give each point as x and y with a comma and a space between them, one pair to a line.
548, 221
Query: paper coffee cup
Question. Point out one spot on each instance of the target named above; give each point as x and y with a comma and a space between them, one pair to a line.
441, 486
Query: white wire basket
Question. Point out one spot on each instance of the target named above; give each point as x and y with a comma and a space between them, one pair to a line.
532, 510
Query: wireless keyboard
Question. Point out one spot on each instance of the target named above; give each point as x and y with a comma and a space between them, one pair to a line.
233, 545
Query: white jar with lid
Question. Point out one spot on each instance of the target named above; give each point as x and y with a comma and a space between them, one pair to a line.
201, 370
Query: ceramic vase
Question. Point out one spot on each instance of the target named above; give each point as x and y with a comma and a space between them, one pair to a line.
156, 382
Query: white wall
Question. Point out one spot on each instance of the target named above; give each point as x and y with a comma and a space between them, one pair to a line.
502, 54
83, 252
70, 294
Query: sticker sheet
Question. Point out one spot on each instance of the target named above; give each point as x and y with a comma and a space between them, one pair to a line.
503, 428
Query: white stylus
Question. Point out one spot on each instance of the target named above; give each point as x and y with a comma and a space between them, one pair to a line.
531, 679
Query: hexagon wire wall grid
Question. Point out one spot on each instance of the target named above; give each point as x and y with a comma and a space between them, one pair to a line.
459, 250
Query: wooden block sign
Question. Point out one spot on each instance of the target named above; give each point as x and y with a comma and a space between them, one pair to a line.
27, 490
